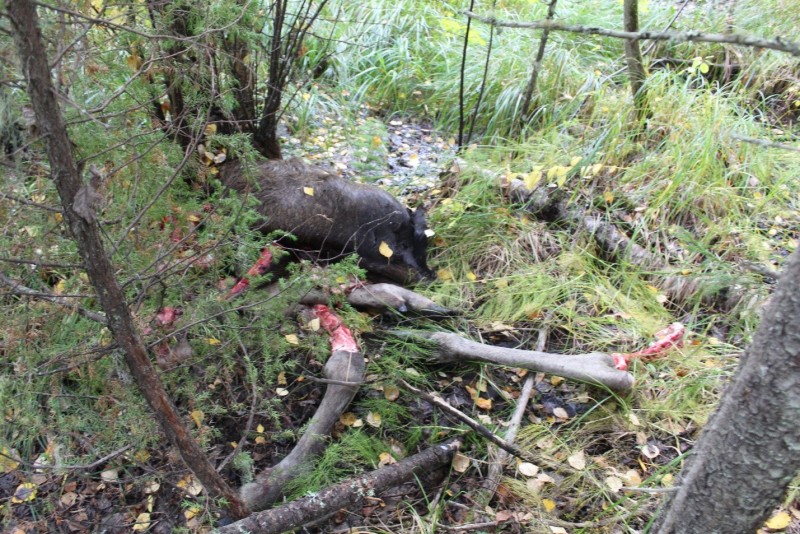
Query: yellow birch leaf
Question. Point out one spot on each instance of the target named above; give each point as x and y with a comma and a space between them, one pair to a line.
609, 197
460, 463
308, 191
142, 522
577, 460
260, 428
213, 341
532, 179
134, 62
211, 129
8, 460
391, 393
471, 276
374, 419
25, 492
385, 459
197, 417
281, 382
549, 505
444, 274
778, 521
376, 141
483, 404
385, 250
292, 339
348, 418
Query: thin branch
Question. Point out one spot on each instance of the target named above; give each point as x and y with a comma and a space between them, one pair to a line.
461, 80
28, 202
87, 467
537, 66
765, 143
470, 422
483, 80
20, 289
780, 44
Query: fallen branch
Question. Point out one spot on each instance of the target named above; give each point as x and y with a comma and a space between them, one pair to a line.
346, 494
780, 44
678, 287
594, 368
765, 143
499, 459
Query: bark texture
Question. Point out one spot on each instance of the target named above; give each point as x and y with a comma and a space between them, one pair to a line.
85, 230
633, 57
750, 451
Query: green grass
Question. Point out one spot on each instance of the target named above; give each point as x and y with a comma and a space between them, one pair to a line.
682, 187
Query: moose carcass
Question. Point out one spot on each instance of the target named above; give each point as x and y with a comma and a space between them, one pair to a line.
336, 216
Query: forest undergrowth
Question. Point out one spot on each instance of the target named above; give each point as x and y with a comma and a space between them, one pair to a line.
380, 105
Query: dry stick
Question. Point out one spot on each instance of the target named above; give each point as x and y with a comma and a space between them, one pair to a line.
19, 289
779, 44
86, 467
765, 143
86, 233
633, 56
461, 80
537, 65
614, 242
501, 457
347, 494
479, 428
483, 80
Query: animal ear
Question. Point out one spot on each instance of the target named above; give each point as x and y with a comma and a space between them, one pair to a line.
418, 219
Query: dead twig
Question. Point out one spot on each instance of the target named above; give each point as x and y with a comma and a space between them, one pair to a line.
780, 44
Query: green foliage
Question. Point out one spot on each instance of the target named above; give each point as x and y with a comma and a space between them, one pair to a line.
354, 452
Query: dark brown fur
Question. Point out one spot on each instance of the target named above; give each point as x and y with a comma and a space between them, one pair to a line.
340, 217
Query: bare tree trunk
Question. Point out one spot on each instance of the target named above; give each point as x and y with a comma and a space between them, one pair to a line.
76, 199
750, 451
633, 56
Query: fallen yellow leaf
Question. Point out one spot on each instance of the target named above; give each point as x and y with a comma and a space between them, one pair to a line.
385, 250
549, 505
460, 463
778, 521
391, 393
374, 419
142, 522
197, 417
444, 274
308, 191
25, 492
